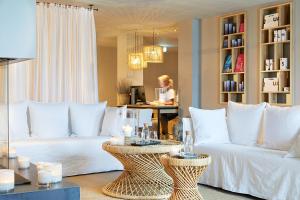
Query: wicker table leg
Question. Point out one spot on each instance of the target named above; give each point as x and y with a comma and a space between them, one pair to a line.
143, 178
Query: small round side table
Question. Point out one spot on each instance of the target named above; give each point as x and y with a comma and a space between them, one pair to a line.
185, 174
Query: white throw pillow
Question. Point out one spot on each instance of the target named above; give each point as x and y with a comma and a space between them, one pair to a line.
294, 151
245, 122
18, 125
209, 126
86, 119
114, 119
49, 120
282, 125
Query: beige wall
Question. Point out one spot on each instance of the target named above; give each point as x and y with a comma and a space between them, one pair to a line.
107, 74
154, 70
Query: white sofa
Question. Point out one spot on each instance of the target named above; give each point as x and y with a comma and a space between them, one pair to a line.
79, 154
253, 170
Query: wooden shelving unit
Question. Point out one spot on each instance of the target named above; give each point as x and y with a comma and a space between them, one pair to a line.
237, 88
273, 48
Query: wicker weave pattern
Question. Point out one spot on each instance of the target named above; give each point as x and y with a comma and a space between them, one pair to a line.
185, 174
143, 176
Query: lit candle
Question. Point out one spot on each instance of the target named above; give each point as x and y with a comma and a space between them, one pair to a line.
23, 162
49, 172
7, 180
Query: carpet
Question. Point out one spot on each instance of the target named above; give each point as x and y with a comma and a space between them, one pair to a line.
90, 187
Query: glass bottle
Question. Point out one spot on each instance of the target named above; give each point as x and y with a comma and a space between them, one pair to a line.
145, 132
188, 143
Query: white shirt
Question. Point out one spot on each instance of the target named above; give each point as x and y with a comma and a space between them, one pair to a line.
167, 95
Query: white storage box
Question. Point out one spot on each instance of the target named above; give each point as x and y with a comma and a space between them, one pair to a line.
270, 85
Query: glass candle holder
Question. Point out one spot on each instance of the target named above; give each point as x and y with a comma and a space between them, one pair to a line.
7, 180
23, 162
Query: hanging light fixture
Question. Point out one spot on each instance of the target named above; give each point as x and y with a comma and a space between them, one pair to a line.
135, 59
153, 53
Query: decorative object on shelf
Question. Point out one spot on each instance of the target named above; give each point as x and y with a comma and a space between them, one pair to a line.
271, 20
227, 64
48, 173
225, 43
269, 66
135, 59
280, 35
153, 53
23, 162
185, 174
239, 67
271, 85
7, 180
283, 63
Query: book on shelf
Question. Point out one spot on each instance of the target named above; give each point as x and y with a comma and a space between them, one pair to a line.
227, 64
242, 27
239, 67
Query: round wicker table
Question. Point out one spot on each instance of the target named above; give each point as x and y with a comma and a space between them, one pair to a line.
185, 174
143, 176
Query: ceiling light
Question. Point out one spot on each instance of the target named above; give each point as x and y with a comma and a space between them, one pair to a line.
135, 59
165, 49
153, 53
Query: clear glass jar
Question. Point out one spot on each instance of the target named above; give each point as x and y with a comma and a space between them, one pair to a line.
145, 132
188, 143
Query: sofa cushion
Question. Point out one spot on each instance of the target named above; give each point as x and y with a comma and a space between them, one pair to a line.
209, 126
49, 120
113, 121
260, 172
86, 119
245, 122
282, 125
18, 124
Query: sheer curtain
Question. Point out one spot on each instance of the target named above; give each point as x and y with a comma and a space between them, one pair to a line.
65, 69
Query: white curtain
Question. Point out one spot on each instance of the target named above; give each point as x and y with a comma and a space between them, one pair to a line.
65, 69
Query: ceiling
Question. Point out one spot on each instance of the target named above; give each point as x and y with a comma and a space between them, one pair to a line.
117, 16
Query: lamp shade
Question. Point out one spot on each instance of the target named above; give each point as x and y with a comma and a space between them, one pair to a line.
136, 61
153, 54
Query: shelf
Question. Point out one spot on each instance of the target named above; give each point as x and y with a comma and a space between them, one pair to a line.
276, 27
271, 43
272, 71
233, 34
229, 48
269, 49
233, 92
229, 73
278, 92
238, 77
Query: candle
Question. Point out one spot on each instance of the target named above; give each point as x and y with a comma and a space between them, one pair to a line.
23, 162
127, 129
117, 140
7, 180
49, 172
